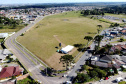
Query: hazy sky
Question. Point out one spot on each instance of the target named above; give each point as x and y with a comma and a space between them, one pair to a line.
54, 1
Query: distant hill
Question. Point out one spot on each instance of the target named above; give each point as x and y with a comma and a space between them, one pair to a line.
47, 5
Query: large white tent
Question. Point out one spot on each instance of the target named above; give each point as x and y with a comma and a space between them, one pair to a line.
67, 49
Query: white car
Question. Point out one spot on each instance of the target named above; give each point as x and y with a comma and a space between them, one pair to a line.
65, 75
118, 79
100, 80
68, 82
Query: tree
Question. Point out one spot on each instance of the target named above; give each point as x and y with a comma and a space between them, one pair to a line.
108, 46
115, 70
98, 39
83, 67
67, 59
82, 77
13, 77
102, 50
88, 38
100, 26
101, 73
98, 30
93, 74
121, 39
49, 71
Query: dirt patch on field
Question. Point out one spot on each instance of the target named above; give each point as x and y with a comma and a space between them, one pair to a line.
56, 37
55, 59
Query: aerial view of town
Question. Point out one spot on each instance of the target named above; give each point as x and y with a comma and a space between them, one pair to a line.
62, 42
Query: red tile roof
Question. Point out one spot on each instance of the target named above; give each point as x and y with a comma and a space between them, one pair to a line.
10, 71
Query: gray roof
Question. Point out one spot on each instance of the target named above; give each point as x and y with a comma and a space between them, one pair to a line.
107, 58
100, 64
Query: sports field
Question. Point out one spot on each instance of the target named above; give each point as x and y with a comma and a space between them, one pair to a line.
68, 28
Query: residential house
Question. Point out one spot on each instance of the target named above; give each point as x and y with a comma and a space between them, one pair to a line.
8, 72
119, 47
106, 59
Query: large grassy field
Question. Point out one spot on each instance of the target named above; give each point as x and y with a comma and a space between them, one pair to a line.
70, 28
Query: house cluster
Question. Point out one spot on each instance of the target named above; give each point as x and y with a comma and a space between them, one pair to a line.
30, 14
114, 32
112, 60
108, 61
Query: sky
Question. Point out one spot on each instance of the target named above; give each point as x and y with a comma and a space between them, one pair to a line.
53, 1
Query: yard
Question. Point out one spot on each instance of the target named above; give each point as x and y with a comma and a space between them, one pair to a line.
68, 28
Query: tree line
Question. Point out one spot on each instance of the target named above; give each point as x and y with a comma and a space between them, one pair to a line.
115, 9
92, 12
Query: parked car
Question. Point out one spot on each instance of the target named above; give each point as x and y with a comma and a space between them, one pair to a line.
100, 80
119, 79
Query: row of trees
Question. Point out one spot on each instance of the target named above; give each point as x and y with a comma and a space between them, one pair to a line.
97, 38
92, 12
90, 74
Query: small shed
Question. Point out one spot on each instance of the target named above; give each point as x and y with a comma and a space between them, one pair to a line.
67, 49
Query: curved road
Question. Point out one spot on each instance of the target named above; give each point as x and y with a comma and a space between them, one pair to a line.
27, 60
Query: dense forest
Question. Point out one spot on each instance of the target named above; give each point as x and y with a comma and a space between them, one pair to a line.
121, 9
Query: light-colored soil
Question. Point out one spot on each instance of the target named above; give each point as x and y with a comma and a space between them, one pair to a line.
55, 59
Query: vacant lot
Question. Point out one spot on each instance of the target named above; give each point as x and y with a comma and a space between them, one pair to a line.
68, 28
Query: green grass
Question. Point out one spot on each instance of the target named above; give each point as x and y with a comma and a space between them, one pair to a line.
106, 21
6, 28
69, 27
123, 82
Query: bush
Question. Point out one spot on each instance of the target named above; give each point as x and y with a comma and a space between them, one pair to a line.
22, 34
82, 78
13, 77
121, 40
6, 66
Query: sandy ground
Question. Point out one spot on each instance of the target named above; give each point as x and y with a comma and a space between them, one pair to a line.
55, 59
